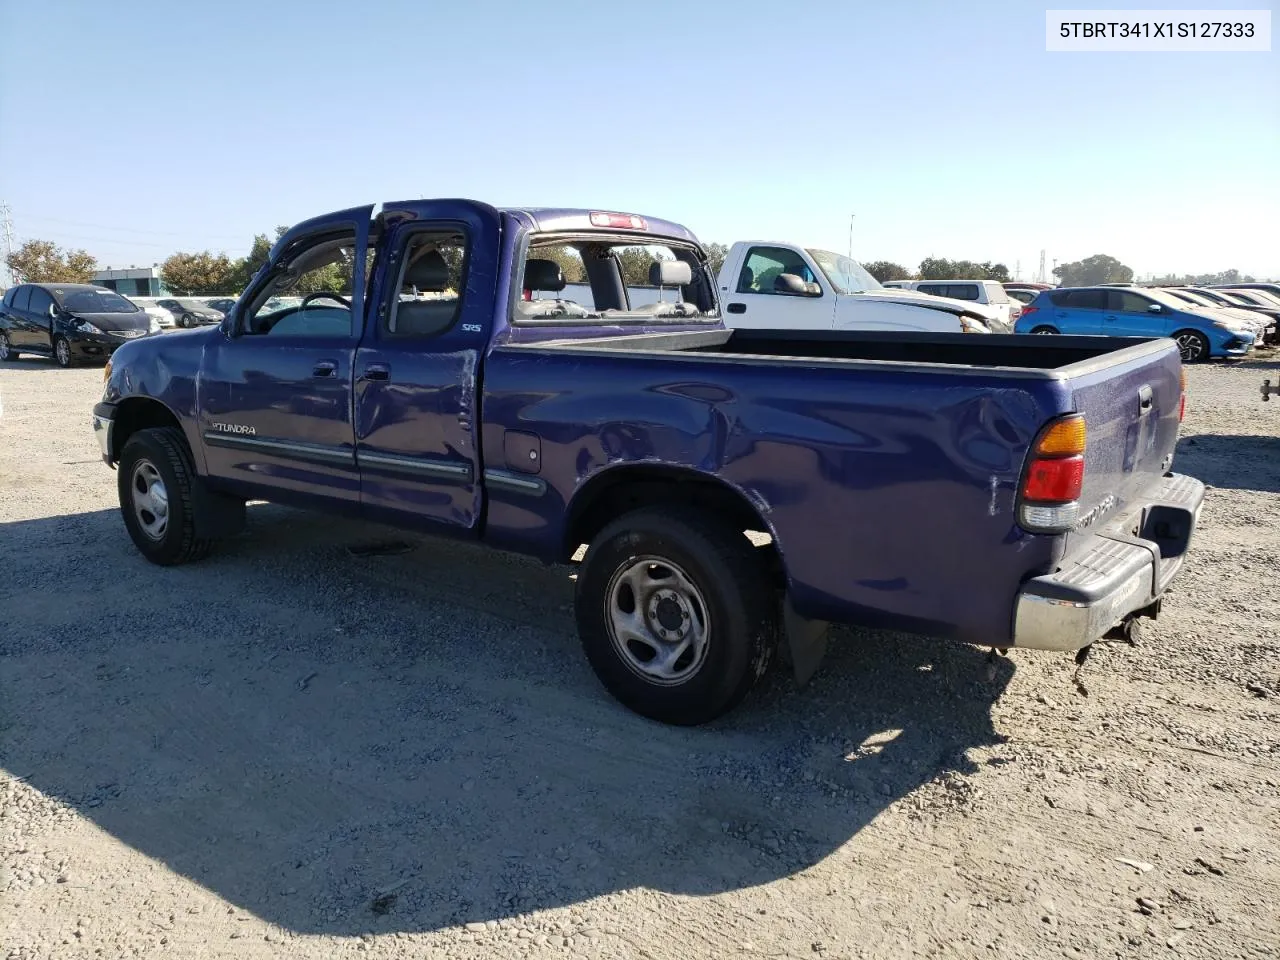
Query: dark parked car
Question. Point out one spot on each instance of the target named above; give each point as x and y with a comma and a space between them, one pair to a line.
188, 312
69, 322
222, 304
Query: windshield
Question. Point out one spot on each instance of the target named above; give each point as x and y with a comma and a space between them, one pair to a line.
845, 275
96, 301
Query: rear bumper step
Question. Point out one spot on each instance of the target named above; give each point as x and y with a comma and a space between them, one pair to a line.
1123, 571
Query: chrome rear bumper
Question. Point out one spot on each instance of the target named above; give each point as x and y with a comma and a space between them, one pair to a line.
1123, 571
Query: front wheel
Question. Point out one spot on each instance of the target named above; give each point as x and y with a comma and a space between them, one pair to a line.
1192, 345
155, 480
184, 322
1044, 331
62, 352
676, 614
6, 349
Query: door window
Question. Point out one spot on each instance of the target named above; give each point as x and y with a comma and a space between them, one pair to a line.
309, 293
1126, 302
8, 297
428, 295
764, 265
41, 301
956, 291
1085, 299
21, 298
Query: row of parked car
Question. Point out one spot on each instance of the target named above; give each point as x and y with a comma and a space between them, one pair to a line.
78, 322
1206, 322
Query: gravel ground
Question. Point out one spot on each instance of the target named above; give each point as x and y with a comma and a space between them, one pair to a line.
297, 750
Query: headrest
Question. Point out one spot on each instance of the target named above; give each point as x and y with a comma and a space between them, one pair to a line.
543, 275
670, 273
429, 273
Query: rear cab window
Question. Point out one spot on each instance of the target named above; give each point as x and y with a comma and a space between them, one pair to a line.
995, 292
592, 278
1080, 299
956, 291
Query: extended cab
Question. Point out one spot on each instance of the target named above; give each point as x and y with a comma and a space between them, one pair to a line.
769, 285
998, 490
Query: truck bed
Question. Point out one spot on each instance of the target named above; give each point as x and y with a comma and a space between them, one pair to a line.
885, 466
1004, 351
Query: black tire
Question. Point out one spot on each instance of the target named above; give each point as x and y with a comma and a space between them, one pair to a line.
62, 352
1193, 346
164, 450
740, 610
184, 322
7, 353
1044, 330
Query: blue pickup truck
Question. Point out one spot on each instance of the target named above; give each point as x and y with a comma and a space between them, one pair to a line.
735, 490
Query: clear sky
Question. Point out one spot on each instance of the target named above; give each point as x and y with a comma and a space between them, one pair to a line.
135, 128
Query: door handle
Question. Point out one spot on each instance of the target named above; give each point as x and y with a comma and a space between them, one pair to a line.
376, 371
737, 308
1110, 319
1144, 398
325, 368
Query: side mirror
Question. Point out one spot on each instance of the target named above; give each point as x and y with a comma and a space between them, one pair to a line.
791, 284
1155, 308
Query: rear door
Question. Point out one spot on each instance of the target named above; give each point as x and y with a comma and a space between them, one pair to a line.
755, 302
39, 325
20, 332
275, 383
1079, 311
417, 371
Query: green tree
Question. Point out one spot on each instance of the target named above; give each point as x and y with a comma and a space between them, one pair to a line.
1099, 268
939, 268
569, 259
40, 261
884, 270
716, 252
201, 274
635, 265
247, 266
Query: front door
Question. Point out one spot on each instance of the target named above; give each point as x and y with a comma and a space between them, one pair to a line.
275, 387
417, 370
37, 323
756, 302
1129, 314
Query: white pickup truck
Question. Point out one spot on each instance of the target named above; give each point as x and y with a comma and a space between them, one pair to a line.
783, 286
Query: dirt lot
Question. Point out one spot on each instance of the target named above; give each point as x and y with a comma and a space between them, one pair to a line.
294, 750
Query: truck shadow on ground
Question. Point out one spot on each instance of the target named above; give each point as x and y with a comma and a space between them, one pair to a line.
1237, 462
381, 742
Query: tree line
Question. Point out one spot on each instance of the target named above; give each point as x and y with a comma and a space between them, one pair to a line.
205, 273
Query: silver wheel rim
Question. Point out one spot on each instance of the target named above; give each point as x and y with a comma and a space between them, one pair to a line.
4, 347
1191, 347
64, 352
150, 499
658, 621
1044, 333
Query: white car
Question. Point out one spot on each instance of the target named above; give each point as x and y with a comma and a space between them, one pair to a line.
989, 293
780, 286
152, 309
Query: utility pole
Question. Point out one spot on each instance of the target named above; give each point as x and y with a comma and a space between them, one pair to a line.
6, 225
851, 216
1041, 278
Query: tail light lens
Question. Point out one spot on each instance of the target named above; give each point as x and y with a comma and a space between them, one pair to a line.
1029, 309
1049, 500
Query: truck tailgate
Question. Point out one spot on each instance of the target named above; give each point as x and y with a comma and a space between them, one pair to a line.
1131, 411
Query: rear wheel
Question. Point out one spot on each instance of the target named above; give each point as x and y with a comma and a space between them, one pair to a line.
6, 349
155, 479
62, 351
676, 613
1044, 330
1192, 345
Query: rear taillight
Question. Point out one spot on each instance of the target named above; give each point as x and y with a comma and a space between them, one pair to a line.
1029, 309
1182, 399
1049, 500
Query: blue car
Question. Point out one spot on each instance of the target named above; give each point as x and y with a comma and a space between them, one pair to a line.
1135, 312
